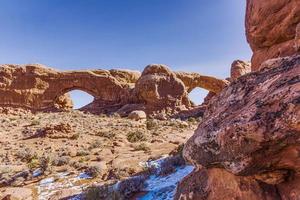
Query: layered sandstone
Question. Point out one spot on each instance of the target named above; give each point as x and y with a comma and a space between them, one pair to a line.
194, 80
159, 87
272, 29
249, 139
39, 88
239, 68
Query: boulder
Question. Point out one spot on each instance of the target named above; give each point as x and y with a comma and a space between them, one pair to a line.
137, 115
251, 129
159, 88
64, 102
271, 28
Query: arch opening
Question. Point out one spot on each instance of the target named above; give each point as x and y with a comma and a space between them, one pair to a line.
197, 95
80, 98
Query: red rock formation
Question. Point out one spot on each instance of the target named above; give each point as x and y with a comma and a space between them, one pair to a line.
194, 80
271, 29
219, 184
64, 102
37, 87
251, 129
159, 88
239, 68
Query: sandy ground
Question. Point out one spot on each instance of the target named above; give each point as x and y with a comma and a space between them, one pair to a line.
76, 142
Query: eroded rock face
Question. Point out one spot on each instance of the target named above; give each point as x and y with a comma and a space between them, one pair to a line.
251, 129
159, 88
213, 184
239, 68
194, 80
272, 29
39, 88
64, 102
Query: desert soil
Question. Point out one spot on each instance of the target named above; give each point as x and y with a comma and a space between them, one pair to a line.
75, 141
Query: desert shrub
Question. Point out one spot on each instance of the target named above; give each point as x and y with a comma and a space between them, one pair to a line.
105, 192
125, 190
169, 165
178, 150
192, 119
136, 136
82, 152
102, 115
142, 147
12, 119
95, 144
115, 115
33, 163
183, 125
60, 161
93, 171
83, 159
77, 165
26, 155
106, 134
44, 163
75, 136
151, 124
131, 186
35, 122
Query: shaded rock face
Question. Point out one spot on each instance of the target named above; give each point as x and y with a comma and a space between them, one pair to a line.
272, 29
251, 129
39, 88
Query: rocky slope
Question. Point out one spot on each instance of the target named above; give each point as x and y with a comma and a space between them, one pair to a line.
247, 145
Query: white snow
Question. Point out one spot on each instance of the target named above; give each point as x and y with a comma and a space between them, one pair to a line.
164, 187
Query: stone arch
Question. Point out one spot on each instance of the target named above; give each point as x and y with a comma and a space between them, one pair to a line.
64, 101
197, 95
106, 90
67, 90
193, 80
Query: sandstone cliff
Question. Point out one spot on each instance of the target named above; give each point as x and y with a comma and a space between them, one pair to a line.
272, 29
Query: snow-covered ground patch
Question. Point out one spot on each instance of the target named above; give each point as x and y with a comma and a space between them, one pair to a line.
49, 186
157, 186
163, 187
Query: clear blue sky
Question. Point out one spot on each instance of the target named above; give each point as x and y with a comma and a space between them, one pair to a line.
192, 35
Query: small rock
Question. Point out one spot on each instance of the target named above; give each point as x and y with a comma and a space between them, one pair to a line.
137, 115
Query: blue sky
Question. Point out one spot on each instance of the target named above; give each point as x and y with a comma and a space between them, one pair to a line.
191, 35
